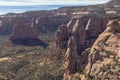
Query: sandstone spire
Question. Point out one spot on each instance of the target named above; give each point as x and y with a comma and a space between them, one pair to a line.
71, 56
62, 36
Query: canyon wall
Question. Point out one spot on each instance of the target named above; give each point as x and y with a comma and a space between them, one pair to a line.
43, 24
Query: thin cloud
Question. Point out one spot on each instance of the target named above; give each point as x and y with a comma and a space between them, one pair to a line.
13, 0
49, 2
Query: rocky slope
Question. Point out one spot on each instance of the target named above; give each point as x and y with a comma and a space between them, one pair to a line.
105, 53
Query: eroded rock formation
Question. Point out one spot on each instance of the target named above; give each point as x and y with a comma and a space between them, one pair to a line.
51, 23
62, 37
24, 33
5, 26
102, 60
61, 40
71, 57
22, 30
84, 29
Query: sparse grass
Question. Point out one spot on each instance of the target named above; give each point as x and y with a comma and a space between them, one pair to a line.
29, 63
109, 72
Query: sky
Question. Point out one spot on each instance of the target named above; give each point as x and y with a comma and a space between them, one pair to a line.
49, 2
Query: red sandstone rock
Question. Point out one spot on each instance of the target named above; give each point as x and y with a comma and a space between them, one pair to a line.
108, 41
22, 30
101, 61
62, 36
50, 23
5, 26
71, 58
85, 30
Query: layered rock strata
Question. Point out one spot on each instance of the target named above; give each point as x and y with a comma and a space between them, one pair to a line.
23, 32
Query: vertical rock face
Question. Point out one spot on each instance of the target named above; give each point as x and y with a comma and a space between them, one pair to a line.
79, 33
5, 26
62, 36
94, 26
70, 24
23, 32
71, 56
50, 24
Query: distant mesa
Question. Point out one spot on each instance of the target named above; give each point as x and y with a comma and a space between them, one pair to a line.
25, 33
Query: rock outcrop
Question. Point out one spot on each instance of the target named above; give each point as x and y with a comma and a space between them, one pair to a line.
71, 57
104, 54
79, 33
51, 23
102, 60
24, 33
5, 26
62, 37
22, 30
61, 40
